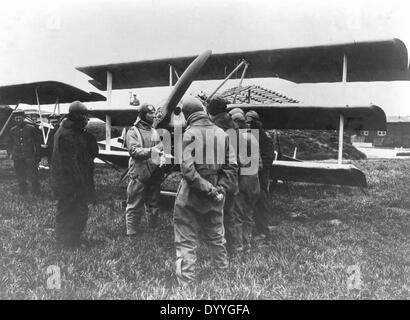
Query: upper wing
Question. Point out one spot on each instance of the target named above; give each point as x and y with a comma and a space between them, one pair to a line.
383, 60
48, 92
291, 116
126, 117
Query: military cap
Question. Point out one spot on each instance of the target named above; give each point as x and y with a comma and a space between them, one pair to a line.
20, 113
77, 108
216, 105
191, 105
252, 114
144, 109
237, 110
238, 117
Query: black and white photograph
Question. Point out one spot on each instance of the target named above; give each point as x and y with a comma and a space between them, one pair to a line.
207, 150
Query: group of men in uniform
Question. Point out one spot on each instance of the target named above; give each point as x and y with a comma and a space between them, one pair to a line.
24, 145
231, 209
143, 189
71, 150
72, 175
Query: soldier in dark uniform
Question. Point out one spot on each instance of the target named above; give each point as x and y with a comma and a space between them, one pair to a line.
71, 175
217, 109
24, 146
200, 198
248, 180
263, 208
55, 122
92, 148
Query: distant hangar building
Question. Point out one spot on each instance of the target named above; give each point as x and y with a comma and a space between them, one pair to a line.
397, 134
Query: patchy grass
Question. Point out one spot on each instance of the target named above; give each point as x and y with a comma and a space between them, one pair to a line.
307, 259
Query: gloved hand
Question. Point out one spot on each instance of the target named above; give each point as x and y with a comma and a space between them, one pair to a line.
221, 190
43, 164
156, 153
217, 194
156, 150
159, 146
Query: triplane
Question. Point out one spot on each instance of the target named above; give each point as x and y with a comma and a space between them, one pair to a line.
382, 60
37, 93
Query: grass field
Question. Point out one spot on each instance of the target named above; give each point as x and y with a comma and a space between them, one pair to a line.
307, 259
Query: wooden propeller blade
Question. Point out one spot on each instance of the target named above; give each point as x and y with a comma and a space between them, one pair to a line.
181, 87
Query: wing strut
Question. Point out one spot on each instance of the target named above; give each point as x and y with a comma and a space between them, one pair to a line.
240, 82
170, 76
57, 104
176, 73
226, 79
172, 71
8, 120
340, 153
108, 117
45, 137
341, 122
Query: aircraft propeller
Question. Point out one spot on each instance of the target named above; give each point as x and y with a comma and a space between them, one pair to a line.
180, 88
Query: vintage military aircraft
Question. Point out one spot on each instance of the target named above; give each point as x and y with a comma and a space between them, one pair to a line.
382, 60
37, 93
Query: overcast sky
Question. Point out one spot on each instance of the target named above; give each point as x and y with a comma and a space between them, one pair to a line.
46, 40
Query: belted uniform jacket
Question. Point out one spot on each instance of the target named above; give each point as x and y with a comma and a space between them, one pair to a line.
207, 162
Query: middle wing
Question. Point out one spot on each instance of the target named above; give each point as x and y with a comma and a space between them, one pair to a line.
282, 116
119, 117
304, 117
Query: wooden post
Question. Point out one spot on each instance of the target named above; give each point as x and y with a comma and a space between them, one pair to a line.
107, 117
